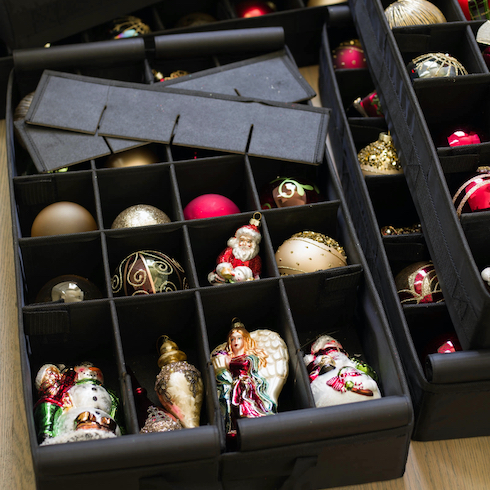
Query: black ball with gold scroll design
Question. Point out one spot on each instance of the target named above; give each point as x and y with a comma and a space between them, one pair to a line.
148, 272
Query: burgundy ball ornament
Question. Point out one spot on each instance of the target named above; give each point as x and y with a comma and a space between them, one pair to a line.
486, 56
349, 54
69, 288
283, 192
210, 206
253, 8
148, 272
309, 251
62, 218
418, 283
474, 194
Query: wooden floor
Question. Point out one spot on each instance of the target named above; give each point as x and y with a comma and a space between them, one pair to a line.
460, 464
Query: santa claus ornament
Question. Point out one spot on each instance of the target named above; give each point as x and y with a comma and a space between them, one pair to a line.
240, 261
335, 378
474, 194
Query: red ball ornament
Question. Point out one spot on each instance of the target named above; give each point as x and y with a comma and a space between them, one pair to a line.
474, 194
349, 54
283, 192
210, 206
253, 8
418, 283
461, 137
445, 343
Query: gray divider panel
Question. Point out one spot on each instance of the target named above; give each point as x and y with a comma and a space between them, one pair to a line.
133, 111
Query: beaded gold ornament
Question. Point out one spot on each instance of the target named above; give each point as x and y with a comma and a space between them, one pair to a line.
380, 157
403, 230
412, 13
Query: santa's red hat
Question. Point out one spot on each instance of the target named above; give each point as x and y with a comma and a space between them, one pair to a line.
249, 230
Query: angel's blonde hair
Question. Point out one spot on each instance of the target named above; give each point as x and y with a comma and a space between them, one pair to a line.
250, 344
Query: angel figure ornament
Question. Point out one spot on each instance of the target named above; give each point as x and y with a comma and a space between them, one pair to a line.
73, 405
251, 369
240, 261
335, 377
179, 384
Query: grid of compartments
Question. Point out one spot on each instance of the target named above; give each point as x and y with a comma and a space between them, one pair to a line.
119, 333
440, 384
157, 17
436, 168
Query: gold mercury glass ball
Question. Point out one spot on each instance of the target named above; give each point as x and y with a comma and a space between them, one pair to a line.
140, 215
132, 158
309, 251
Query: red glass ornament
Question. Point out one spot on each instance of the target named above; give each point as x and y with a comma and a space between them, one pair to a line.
369, 106
445, 343
349, 54
461, 137
474, 194
418, 283
284, 192
465, 8
253, 8
210, 206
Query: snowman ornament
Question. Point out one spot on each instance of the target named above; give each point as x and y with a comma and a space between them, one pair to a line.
335, 378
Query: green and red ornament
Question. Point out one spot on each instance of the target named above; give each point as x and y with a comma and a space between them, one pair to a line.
283, 192
418, 283
475, 9
369, 106
148, 272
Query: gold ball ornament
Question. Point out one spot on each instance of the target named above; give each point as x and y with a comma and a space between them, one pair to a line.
319, 3
309, 251
380, 157
140, 215
62, 218
132, 158
404, 13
